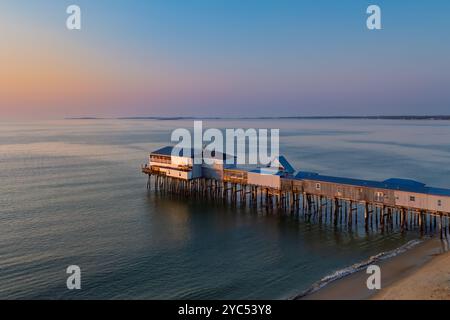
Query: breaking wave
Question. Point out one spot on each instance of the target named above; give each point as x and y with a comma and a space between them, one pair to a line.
339, 274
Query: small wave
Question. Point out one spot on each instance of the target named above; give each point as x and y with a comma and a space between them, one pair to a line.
339, 274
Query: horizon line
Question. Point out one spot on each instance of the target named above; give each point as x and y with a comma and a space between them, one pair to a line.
375, 117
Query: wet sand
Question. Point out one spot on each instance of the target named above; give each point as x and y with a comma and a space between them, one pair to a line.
429, 282
422, 272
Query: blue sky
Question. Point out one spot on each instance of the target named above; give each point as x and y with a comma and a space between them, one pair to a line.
217, 57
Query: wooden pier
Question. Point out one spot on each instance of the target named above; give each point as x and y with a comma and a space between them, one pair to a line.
293, 199
381, 206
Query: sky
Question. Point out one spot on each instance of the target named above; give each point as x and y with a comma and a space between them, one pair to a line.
223, 58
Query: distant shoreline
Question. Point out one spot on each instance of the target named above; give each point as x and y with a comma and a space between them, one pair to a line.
404, 117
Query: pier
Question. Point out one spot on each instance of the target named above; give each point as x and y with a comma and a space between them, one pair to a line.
380, 206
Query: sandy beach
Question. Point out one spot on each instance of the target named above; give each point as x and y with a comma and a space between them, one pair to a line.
429, 282
420, 273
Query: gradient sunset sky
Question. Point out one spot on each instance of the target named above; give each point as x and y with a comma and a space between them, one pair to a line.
223, 58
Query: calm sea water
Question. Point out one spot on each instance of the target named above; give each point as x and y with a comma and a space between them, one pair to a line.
71, 192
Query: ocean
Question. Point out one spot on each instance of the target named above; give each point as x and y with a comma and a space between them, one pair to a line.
72, 193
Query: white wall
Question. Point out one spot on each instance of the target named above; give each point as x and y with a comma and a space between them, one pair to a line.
181, 161
171, 169
433, 203
265, 180
402, 198
422, 201
186, 175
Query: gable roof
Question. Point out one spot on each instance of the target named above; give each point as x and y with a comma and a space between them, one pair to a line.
281, 161
169, 151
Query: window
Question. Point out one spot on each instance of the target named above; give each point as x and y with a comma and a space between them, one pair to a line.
412, 198
439, 203
317, 186
379, 196
339, 191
